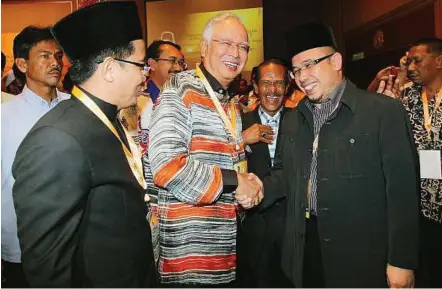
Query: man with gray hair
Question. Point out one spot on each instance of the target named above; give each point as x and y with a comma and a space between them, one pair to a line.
197, 158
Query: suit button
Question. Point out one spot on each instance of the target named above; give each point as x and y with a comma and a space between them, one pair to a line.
292, 139
326, 240
305, 176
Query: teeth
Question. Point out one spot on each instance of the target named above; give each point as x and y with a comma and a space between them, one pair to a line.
231, 64
310, 86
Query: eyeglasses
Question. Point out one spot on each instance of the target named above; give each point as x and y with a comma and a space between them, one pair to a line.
267, 84
173, 61
296, 72
227, 44
143, 66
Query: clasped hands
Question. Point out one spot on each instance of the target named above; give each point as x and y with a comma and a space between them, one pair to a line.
249, 192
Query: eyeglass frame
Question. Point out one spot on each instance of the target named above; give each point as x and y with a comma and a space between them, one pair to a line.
174, 61
144, 66
295, 74
231, 43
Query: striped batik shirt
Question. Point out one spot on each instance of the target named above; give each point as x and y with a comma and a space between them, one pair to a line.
321, 112
273, 122
189, 151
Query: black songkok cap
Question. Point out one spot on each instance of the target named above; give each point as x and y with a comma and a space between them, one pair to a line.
308, 36
94, 28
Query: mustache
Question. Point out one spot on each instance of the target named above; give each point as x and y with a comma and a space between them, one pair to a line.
58, 69
174, 71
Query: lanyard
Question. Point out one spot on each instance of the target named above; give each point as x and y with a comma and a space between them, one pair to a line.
219, 108
427, 116
134, 157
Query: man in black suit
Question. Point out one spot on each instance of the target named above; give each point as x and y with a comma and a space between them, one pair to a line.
79, 191
259, 239
348, 167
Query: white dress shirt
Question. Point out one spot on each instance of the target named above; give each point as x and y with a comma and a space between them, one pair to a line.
18, 116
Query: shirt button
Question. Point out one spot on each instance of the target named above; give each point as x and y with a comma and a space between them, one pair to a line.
220, 91
352, 140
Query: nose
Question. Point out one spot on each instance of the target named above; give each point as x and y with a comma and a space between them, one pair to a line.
55, 62
412, 66
234, 50
272, 87
302, 75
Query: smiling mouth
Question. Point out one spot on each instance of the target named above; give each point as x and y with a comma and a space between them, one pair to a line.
231, 65
310, 87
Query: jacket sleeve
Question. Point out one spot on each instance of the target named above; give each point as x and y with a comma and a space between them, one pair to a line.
52, 182
399, 161
188, 179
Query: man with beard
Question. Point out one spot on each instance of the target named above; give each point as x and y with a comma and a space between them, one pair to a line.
260, 237
38, 56
422, 100
197, 157
79, 191
348, 168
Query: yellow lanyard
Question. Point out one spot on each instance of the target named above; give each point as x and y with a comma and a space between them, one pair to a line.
427, 116
133, 155
218, 106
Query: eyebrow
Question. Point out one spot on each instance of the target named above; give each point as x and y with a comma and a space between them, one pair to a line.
242, 42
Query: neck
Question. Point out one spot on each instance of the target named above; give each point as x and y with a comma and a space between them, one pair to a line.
45, 92
158, 82
224, 82
332, 88
433, 87
271, 113
99, 90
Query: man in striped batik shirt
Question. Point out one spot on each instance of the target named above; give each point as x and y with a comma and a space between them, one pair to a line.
194, 147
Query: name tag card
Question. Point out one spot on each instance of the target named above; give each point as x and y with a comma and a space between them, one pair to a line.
430, 164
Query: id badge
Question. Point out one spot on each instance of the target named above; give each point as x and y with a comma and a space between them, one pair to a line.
240, 167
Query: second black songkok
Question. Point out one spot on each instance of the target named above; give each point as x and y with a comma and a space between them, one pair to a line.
308, 36
94, 28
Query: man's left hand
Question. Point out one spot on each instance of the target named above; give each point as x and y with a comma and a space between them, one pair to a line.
399, 278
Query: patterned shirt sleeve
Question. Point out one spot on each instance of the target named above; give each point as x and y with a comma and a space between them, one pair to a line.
172, 165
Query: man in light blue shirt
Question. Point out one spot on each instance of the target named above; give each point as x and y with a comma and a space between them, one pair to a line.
38, 56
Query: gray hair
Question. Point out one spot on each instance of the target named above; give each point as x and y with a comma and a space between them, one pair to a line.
208, 29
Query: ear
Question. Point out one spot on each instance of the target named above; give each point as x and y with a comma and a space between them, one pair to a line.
21, 64
203, 48
108, 69
336, 61
151, 62
439, 61
255, 87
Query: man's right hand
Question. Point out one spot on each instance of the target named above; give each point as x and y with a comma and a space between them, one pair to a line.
258, 133
249, 192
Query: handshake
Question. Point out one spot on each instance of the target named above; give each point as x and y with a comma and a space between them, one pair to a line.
249, 192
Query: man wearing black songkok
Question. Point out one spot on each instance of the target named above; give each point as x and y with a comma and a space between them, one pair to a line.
79, 191
347, 164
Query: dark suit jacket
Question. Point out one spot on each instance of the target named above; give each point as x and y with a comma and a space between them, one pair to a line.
261, 234
80, 211
368, 192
